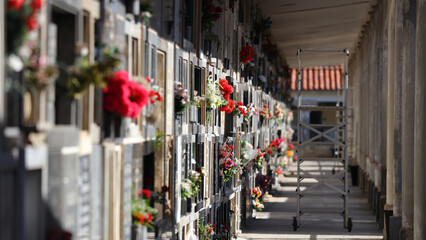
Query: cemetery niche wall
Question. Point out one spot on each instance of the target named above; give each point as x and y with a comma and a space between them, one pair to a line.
202, 113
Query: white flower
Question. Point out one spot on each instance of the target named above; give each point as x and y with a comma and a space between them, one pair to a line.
15, 63
25, 51
84, 51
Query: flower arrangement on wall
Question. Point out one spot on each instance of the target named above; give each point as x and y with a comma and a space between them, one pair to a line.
214, 98
155, 95
146, 12
278, 171
247, 154
21, 19
246, 54
265, 182
226, 90
85, 73
229, 166
142, 212
181, 98
186, 189
258, 160
191, 185
209, 15
197, 100
206, 230
123, 96
245, 112
264, 113
223, 233
256, 194
38, 72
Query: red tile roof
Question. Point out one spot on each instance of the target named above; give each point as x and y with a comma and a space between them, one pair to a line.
327, 78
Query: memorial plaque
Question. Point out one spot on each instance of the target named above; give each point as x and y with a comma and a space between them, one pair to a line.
83, 209
127, 192
96, 184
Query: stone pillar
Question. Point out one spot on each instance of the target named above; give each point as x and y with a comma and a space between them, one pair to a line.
397, 107
408, 74
419, 225
390, 173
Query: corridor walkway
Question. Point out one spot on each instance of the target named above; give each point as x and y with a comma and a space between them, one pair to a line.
275, 222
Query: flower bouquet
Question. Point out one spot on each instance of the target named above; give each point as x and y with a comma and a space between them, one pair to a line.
181, 98
186, 188
124, 96
278, 171
214, 98
85, 73
246, 54
265, 182
146, 12
223, 233
191, 185
228, 165
247, 153
21, 19
245, 112
38, 73
226, 90
264, 113
258, 160
142, 212
256, 193
206, 231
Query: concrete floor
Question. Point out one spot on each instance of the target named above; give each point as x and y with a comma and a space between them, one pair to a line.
275, 221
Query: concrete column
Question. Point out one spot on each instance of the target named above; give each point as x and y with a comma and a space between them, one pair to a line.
390, 173
408, 74
398, 107
419, 225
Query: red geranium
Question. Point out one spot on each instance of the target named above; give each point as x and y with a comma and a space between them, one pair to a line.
123, 96
145, 193
246, 54
32, 23
155, 96
16, 4
36, 4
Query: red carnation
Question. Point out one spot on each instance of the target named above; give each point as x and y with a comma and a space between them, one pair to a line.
16, 4
32, 23
36, 4
270, 151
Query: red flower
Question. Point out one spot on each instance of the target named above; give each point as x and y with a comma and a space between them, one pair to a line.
149, 80
222, 155
240, 104
232, 147
164, 188
228, 163
36, 4
32, 23
145, 193
149, 217
269, 151
124, 96
16, 4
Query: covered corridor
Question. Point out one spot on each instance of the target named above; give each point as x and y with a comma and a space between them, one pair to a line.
172, 119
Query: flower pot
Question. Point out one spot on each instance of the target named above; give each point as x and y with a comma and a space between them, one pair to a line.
139, 232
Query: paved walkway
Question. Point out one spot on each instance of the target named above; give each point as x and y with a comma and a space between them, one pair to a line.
275, 221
